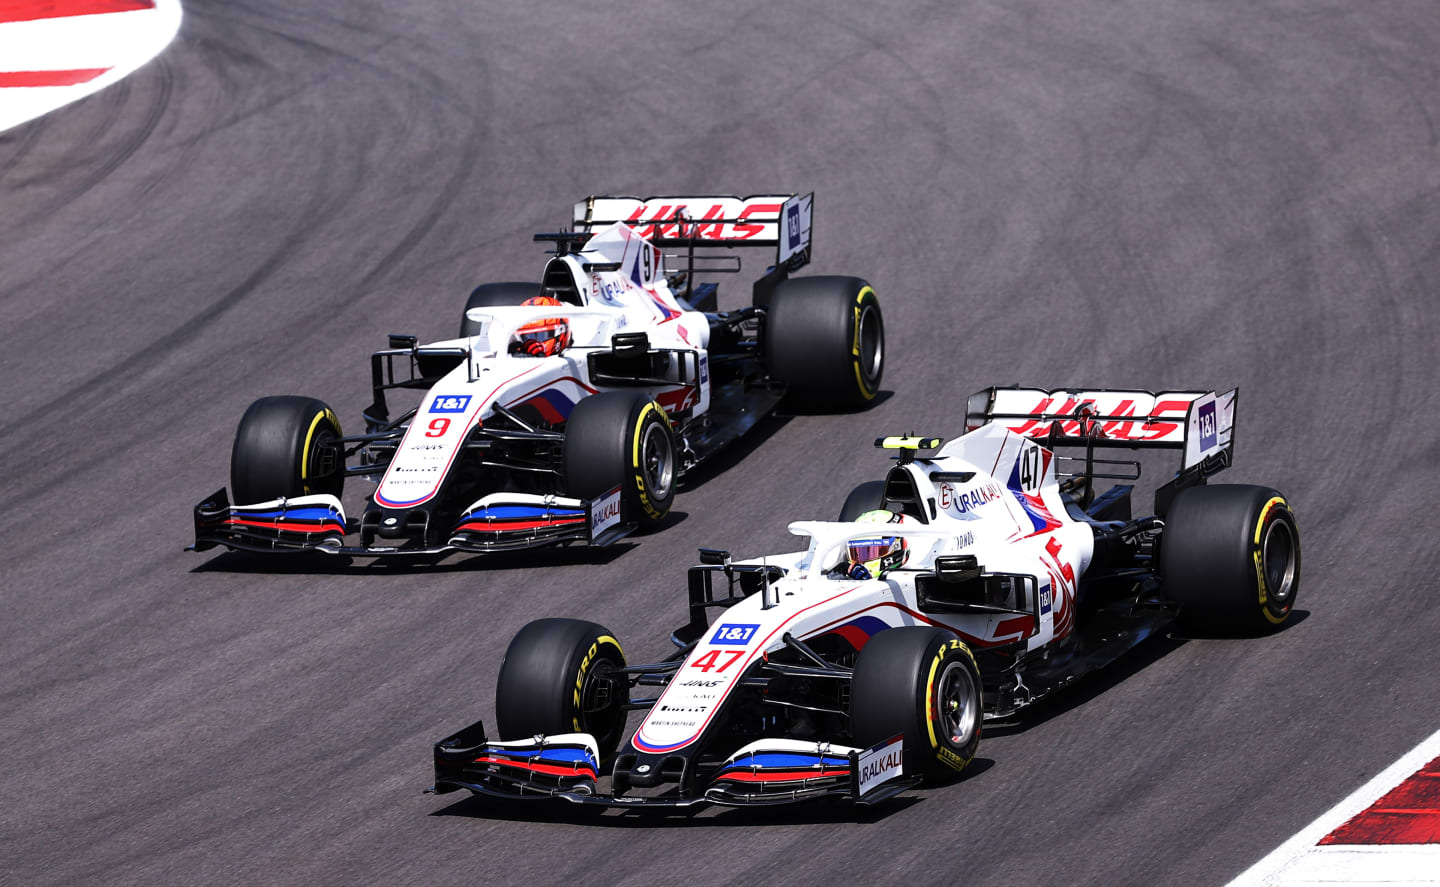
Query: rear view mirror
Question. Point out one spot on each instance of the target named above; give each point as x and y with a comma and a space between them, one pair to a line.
953, 569
715, 557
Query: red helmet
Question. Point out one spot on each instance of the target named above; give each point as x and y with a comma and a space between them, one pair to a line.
542, 338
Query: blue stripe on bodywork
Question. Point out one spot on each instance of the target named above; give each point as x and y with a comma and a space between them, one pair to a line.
786, 760
307, 513
513, 511
568, 755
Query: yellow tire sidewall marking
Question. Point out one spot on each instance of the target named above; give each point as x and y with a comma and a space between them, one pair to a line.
585, 664
1256, 553
945, 755
865, 390
323, 415
640, 489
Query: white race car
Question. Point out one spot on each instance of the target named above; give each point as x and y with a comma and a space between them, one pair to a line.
566, 411
963, 586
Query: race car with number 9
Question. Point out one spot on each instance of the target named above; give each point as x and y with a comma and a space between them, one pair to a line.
962, 587
567, 411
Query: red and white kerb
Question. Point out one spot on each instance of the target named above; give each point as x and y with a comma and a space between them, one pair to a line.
53, 52
1386, 832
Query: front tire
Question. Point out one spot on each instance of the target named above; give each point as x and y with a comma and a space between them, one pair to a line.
494, 295
622, 438
1231, 553
922, 682
555, 679
286, 446
824, 338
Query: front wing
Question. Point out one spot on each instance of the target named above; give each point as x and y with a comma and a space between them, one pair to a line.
495, 523
766, 772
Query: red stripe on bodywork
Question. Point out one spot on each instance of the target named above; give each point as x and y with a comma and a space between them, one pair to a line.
546, 410
1407, 814
967, 638
853, 635
552, 769
289, 526
781, 775
30, 10
49, 78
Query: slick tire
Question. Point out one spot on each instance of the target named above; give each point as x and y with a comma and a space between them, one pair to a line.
286, 446
554, 680
1231, 555
622, 438
869, 496
921, 682
494, 295
824, 337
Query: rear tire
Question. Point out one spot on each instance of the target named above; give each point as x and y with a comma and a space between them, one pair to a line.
1231, 554
622, 438
923, 682
286, 446
552, 681
824, 337
869, 496
494, 295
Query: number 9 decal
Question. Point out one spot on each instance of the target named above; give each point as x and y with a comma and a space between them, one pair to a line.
438, 427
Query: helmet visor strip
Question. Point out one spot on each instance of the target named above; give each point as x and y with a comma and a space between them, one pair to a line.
866, 550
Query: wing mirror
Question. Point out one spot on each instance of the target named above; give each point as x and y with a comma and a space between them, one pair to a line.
954, 569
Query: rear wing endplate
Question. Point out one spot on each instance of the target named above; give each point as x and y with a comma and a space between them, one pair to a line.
782, 221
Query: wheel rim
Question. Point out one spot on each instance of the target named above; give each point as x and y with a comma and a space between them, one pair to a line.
872, 343
1277, 559
657, 455
959, 708
323, 460
601, 713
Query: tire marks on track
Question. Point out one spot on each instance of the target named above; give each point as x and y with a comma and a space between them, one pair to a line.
1083, 193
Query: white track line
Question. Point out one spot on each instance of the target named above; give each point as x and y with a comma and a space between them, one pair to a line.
1299, 861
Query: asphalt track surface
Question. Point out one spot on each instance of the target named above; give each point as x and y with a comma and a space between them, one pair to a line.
1083, 193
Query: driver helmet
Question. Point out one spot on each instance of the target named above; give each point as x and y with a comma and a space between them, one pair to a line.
542, 338
872, 557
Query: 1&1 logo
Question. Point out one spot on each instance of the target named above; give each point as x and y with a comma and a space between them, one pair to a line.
733, 633
1208, 431
451, 404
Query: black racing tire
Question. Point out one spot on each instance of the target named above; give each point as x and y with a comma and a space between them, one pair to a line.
553, 681
1231, 553
622, 438
286, 446
824, 337
869, 496
494, 295
923, 682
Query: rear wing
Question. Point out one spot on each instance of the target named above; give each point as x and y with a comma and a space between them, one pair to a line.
1199, 423
781, 221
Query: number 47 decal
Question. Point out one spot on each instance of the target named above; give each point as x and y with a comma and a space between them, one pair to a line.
709, 660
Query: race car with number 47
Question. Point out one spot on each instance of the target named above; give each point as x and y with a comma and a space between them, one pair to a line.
566, 411
961, 587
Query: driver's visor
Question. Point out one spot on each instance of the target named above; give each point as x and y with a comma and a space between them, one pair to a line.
866, 550
545, 333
